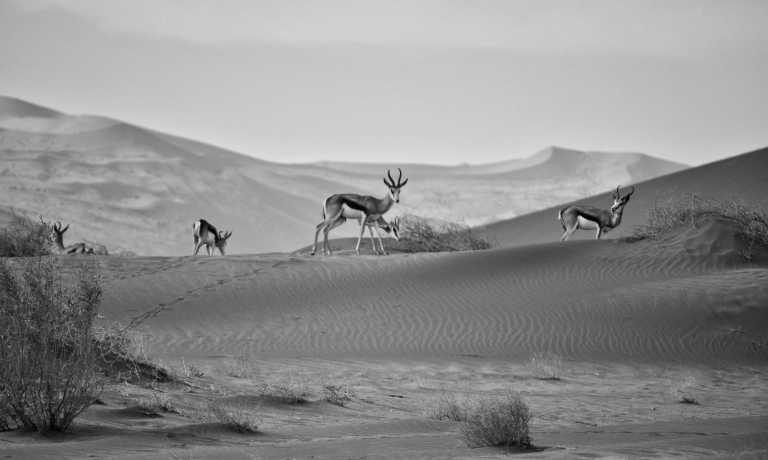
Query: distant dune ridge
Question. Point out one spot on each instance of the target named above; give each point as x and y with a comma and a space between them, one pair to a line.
133, 188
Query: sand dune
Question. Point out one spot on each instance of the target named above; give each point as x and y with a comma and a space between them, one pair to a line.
741, 178
646, 301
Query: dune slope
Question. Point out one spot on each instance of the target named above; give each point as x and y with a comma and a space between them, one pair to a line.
670, 300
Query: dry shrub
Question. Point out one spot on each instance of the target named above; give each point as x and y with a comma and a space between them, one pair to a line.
499, 422
47, 349
752, 223
24, 237
419, 234
338, 394
234, 417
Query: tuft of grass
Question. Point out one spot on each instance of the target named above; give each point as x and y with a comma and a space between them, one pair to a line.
234, 417
157, 402
24, 237
682, 391
546, 366
450, 409
498, 422
284, 393
752, 223
122, 358
338, 394
48, 357
419, 234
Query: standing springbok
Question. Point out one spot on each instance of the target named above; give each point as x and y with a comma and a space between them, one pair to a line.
204, 233
58, 240
581, 217
370, 208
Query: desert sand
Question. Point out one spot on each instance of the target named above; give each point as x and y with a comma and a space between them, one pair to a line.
602, 339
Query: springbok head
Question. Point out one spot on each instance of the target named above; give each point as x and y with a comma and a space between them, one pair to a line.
394, 228
394, 187
58, 232
620, 201
221, 241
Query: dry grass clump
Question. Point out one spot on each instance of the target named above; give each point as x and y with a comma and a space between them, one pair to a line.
122, 360
284, 393
338, 394
450, 409
234, 417
752, 223
500, 421
24, 237
48, 357
418, 234
546, 366
157, 402
682, 391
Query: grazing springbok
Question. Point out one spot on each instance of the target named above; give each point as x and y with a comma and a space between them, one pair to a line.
58, 240
379, 224
581, 217
371, 209
204, 233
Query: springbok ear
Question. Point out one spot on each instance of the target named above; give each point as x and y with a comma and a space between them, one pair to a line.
227, 235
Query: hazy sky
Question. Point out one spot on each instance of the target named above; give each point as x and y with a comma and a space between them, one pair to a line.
413, 80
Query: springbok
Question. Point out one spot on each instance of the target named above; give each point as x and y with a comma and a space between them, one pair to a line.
392, 228
58, 240
371, 209
204, 233
581, 217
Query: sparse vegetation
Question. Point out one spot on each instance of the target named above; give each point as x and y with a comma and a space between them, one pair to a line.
546, 366
682, 391
24, 237
120, 358
499, 422
448, 408
234, 417
157, 402
284, 393
419, 234
752, 223
338, 394
48, 357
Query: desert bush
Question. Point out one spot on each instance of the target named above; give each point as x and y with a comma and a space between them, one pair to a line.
752, 222
24, 237
234, 417
682, 390
338, 394
499, 422
419, 234
47, 349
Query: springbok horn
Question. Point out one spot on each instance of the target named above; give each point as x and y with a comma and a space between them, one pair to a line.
391, 180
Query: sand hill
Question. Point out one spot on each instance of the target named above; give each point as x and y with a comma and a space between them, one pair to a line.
134, 188
741, 178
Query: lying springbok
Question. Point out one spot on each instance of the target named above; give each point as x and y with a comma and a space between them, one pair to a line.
58, 240
204, 233
370, 208
582, 217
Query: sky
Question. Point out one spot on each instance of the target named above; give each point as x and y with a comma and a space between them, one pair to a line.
428, 81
